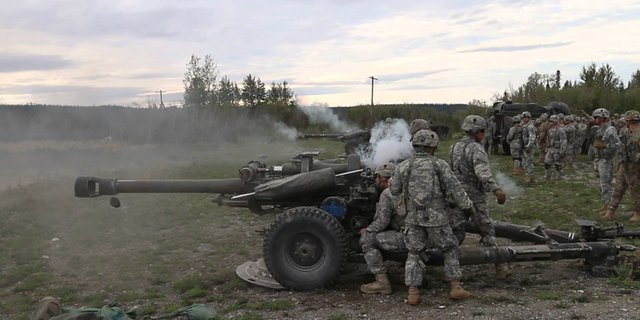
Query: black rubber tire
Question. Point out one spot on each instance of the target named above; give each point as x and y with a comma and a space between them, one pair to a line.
351, 147
282, 249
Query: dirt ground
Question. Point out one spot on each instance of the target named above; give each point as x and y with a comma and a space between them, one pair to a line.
162, 252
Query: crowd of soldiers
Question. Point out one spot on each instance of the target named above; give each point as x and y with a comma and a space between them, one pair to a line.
425, 201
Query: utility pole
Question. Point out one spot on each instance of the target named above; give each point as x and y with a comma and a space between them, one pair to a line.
161, 103
372, 79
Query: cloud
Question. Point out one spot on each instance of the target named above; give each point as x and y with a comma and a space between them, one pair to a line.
410, 75
518, 48
10, 62
151, 75
71, 94
313, 91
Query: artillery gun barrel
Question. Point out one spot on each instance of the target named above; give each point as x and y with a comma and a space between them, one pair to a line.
87, 187
320, 135
521, 233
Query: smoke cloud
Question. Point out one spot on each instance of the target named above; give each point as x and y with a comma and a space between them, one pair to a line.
319, 113
507, 185
389, 142
290, 133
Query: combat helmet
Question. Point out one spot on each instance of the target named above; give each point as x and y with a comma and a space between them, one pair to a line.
632, 116
516, 118
417, 125
560, 116
425, 138
544, 116
600, 113
570, 118
616, 115
386, 169
473, 123
526, 114
554, 118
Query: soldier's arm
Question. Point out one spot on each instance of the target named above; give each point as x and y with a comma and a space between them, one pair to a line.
384, 211
395, 183
483, 170
510, 135
532, 136
563, 141
452, 186
612, 140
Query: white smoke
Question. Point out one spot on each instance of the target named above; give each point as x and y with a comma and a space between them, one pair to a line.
389, 142
286, 131
507, 185
319, 113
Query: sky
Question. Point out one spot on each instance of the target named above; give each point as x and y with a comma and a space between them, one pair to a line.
97, 52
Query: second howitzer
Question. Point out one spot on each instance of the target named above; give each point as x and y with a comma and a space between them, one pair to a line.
321, 206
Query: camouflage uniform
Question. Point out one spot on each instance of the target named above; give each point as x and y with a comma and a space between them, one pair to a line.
529, 140
570, 132
581, 134
543, 131
628, 175
470, 164
609, 136
557, 146
389, 212
487, 142
426, 181
514, 138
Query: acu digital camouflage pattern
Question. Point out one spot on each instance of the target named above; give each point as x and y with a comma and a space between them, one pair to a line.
628, 176
570, 132
470, 164
609, 136
514, 138
556, 148
390, 210
426, 181
529, 138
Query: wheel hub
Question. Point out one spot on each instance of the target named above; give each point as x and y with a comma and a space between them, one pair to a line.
304, 251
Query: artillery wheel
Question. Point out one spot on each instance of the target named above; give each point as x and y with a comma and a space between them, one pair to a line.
351, 147
305, 248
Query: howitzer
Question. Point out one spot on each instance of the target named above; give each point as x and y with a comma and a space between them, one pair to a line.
320, 207
353, 139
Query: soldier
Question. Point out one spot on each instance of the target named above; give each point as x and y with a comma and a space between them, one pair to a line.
470, 164
543, 130
491, 132
606, 143
514, 138
582, 132
560, 119
425, 181
529, 146
629, 172
556, 148
384, 232
488, 137
417, 125
570, 132
615, 122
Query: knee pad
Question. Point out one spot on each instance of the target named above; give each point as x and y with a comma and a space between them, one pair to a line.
547, 166
559, 167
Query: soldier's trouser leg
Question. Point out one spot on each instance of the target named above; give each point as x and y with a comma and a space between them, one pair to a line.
620, 187
543, 151
548, 162
605, 169
485, 226
557, 162
634, 185
528, 161
372, 242
459, 233
417, 242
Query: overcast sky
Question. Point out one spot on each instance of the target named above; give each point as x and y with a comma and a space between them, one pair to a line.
97, 52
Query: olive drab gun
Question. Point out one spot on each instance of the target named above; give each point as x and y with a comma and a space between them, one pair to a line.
319, 208
353, 139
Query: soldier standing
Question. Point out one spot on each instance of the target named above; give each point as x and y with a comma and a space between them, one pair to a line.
470, 164
384, 232
514, 138
628, 175
529, 147
606, 143
425, 181
582, 132
570, 132
556, 148
543, 130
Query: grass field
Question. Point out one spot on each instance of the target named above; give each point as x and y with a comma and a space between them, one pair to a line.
162, 252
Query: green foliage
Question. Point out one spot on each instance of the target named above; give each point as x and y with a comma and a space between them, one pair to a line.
341, 316
248, 316
583, 298
191, 282
625, 277
549, 296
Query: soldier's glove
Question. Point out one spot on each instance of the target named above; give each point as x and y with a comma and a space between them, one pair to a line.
501, 196
471, 212
599, 144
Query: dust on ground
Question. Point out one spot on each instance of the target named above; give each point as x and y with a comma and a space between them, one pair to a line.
162, 252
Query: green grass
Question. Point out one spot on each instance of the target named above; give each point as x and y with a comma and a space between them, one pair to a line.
340, 316
549, 296
271, 305
583, 298
498, 299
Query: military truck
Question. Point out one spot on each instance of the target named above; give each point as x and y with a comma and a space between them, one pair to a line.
504, 111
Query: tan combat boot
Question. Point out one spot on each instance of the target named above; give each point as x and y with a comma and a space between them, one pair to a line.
520, 171
457, 292
414, 296
636, 217
603, 209
609, 216
381, 285
528, 179
502, 271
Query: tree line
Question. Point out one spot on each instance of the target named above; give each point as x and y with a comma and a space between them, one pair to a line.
598, 87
